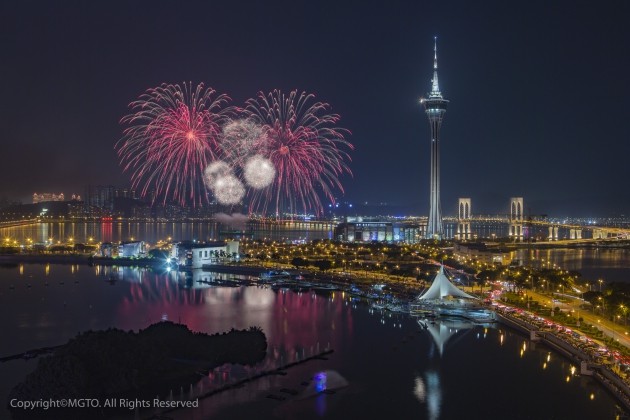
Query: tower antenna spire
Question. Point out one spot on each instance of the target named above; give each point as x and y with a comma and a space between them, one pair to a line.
435, 53
435, 87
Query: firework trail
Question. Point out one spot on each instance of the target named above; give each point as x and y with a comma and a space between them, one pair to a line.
304, 146
171, 137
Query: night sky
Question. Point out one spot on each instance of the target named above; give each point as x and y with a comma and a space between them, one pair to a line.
539, 90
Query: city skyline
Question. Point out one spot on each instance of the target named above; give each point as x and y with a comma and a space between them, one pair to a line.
525, 83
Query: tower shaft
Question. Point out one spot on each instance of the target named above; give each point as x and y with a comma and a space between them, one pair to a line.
435, 108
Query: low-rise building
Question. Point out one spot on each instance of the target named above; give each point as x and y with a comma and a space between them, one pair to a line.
198, 254
368, 229
106, 250
482, 253
132, 249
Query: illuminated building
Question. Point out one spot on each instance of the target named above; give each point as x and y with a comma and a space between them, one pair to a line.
482, 253
132, 249
43, 197
198, 254
367, 229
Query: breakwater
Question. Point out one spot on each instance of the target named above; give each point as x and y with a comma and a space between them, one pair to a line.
78, 259
29, 354
281, 370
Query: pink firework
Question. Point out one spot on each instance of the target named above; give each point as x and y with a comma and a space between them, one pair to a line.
308, 151
170, 139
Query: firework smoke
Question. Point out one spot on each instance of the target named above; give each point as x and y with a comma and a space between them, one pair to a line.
240, 139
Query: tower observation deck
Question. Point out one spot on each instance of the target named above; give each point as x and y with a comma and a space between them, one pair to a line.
435, 108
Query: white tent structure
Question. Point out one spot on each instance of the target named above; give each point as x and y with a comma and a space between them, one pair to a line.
442, 287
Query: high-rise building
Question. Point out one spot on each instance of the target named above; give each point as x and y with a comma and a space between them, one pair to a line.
435, 108
99, 197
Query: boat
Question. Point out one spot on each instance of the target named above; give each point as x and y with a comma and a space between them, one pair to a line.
273, 275
280, 285
487, 320
325, 287
398, 308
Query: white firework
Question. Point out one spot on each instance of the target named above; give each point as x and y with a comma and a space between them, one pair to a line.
214, 171
242, 138
228, 189
259, 172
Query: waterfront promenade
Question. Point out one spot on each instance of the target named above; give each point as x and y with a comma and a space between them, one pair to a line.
593, 360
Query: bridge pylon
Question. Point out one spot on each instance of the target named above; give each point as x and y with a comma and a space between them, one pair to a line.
516, 219
464, 231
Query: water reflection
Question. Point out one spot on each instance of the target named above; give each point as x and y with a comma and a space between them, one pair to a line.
592, 263
442, 330
151, 232
296, 324
428, 390
429, 373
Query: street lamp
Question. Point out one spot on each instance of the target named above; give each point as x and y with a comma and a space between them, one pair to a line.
578, 318
600, 284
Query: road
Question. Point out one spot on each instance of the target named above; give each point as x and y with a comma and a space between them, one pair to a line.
613, 330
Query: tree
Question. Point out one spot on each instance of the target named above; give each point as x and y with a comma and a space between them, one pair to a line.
158, 254
298, 262
592, 296
323, 265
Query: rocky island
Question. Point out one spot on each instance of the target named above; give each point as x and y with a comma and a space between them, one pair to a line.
143, 364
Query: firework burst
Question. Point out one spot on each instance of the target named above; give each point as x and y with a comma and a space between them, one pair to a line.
171, 137
305, 147
228, 190
258, 172
215, 171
